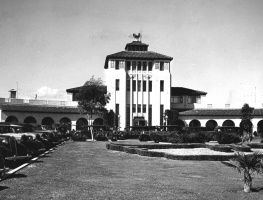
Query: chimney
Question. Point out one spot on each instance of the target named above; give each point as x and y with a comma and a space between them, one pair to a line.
227, 105
12, 94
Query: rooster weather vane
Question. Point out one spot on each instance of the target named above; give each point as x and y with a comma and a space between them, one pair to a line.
137, 37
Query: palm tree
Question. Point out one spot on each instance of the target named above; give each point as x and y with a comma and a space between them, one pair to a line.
247, 165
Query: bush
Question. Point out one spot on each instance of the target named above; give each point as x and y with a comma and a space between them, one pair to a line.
144, 137
101, 137
228, 138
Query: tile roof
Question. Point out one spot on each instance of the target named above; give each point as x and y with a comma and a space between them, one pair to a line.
39, 109
136, 43
142, 55
218, 112
177, 91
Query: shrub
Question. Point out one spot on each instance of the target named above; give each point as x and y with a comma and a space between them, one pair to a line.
227, 138
101, 137
144, 137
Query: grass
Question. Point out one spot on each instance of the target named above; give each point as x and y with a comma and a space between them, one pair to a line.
87, 170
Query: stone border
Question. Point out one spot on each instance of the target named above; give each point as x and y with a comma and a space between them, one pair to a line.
142, 150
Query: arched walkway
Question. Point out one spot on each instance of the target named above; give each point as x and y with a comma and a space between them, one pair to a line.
80, 122
65, 121
30, 120
179, 122
11, 119
48, 121
210, 125
98, 121
195, 123
228, 123
260, 126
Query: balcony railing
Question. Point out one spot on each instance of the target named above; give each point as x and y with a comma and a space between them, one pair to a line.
38, 102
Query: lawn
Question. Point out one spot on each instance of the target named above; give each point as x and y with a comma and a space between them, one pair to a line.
87, 170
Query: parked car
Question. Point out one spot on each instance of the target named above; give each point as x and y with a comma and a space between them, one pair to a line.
27, 139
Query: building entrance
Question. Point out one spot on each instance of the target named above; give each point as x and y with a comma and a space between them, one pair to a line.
139, 121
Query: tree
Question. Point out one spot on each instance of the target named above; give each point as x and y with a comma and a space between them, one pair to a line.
92, 98
109, 118
172, 116
248, 165
246, 124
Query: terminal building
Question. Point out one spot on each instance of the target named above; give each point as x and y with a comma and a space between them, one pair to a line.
139, 82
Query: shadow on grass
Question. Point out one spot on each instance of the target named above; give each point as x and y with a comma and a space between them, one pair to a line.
3, 188
15, 176
257, 189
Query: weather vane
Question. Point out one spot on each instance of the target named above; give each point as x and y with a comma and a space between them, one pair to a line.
137, 37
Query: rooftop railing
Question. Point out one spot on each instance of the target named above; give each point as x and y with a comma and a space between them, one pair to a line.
38, 102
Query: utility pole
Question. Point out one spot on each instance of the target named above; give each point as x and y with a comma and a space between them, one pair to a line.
17, 90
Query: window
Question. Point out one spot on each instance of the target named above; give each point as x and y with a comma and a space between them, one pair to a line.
161, 114
133, 85
150, 66
161, 66
150, 86
133, 65
133, 108
144, 108
139, 108
117, 115
150, 115
176, 99
128, 65
139, 65
161, 85
121, 64
112, 64
144, 86
157, 65
144, 67
128, 85
117, 65
128, 115
117, 84
194, 99
139, 85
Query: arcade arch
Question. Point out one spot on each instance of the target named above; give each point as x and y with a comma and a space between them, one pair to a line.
11, 119
211, 124
48, 121
228, 123
66, 121
195, 123
260, 126
80, 122
98, 121
30, 120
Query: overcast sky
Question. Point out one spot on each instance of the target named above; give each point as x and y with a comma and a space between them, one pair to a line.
48, 46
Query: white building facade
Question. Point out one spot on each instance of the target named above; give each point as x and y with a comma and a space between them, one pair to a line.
139, 82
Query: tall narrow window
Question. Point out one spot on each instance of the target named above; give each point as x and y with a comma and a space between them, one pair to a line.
139, 85
144, 86
150, 66
161, 115
112, 64
144, 66
133, 108
139, 66
133, 65
128, 115
161, 85
117, 115
128, 65
150, 115
117, 84
139, 108
128, 85
117, 65
133, 85
144, 108
161, 66
150, 86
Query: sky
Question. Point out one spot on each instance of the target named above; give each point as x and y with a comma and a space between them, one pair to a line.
48, 46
